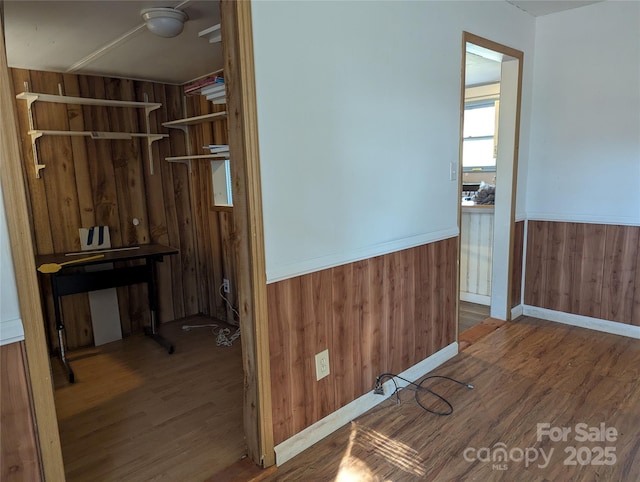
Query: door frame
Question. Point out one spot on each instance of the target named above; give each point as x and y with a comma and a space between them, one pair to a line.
468, 37
249, 244
242, 119
15, 200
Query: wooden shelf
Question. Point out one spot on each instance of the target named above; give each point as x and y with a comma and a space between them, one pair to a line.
220, 155
190, 121
183, 124
31, 97
187, 159
35, 134
97, 134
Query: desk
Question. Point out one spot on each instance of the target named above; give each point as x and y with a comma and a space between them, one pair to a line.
71, 280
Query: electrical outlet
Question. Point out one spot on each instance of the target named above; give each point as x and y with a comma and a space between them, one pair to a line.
225, 285
322, 364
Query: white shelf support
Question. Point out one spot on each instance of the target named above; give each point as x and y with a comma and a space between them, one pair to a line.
180, 161
183, 125
221, 155
214, 34
36, 135
31, 97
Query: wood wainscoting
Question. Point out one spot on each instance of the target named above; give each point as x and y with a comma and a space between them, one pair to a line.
584, 269
19, 456
382, 314
516, 267
103, 182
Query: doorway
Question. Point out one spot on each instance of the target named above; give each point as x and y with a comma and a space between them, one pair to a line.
254, 342
490, 107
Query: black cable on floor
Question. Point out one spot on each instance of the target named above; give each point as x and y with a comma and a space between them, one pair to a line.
418, 388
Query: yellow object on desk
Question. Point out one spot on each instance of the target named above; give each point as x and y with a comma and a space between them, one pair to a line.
49, 268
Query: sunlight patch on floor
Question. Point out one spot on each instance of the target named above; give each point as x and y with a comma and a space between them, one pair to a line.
121, 379
391, 451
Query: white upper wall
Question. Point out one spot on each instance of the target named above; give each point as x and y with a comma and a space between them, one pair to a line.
584, 162
10, 322
358, 116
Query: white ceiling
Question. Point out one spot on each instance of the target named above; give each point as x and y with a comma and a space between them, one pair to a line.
480, 70
109, 38
538, 8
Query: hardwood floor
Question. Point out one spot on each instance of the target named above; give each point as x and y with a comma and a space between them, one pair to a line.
471, 314
138, 414
525, 373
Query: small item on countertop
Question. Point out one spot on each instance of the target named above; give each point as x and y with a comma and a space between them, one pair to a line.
486, 194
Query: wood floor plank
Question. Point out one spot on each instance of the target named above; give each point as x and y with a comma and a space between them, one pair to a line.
471, 314
525, 372
137, 414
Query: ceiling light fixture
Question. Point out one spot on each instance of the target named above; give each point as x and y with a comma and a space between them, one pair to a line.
164, 21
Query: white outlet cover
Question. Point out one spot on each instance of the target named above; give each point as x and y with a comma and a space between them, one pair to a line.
322, 364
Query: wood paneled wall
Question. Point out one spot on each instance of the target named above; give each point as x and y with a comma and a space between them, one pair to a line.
584, 269
516, 268
214, 226
383, 314
476, 253
19, 457
102, 182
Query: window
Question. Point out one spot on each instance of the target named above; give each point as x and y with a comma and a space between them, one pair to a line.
221, 183
479, 143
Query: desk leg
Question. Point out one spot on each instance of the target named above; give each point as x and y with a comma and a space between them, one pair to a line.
152, 331
60, 329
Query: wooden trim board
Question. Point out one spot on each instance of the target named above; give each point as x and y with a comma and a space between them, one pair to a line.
26, 279
237, 41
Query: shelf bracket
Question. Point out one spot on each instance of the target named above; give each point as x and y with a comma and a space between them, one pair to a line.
185, 130
181, 161
34, 135
34, 147
150, 140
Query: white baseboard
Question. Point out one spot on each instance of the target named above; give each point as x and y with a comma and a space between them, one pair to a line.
475, 298
329, 424
517, 311
11, 331
606, 326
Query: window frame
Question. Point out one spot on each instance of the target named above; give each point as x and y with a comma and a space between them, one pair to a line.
478, 104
